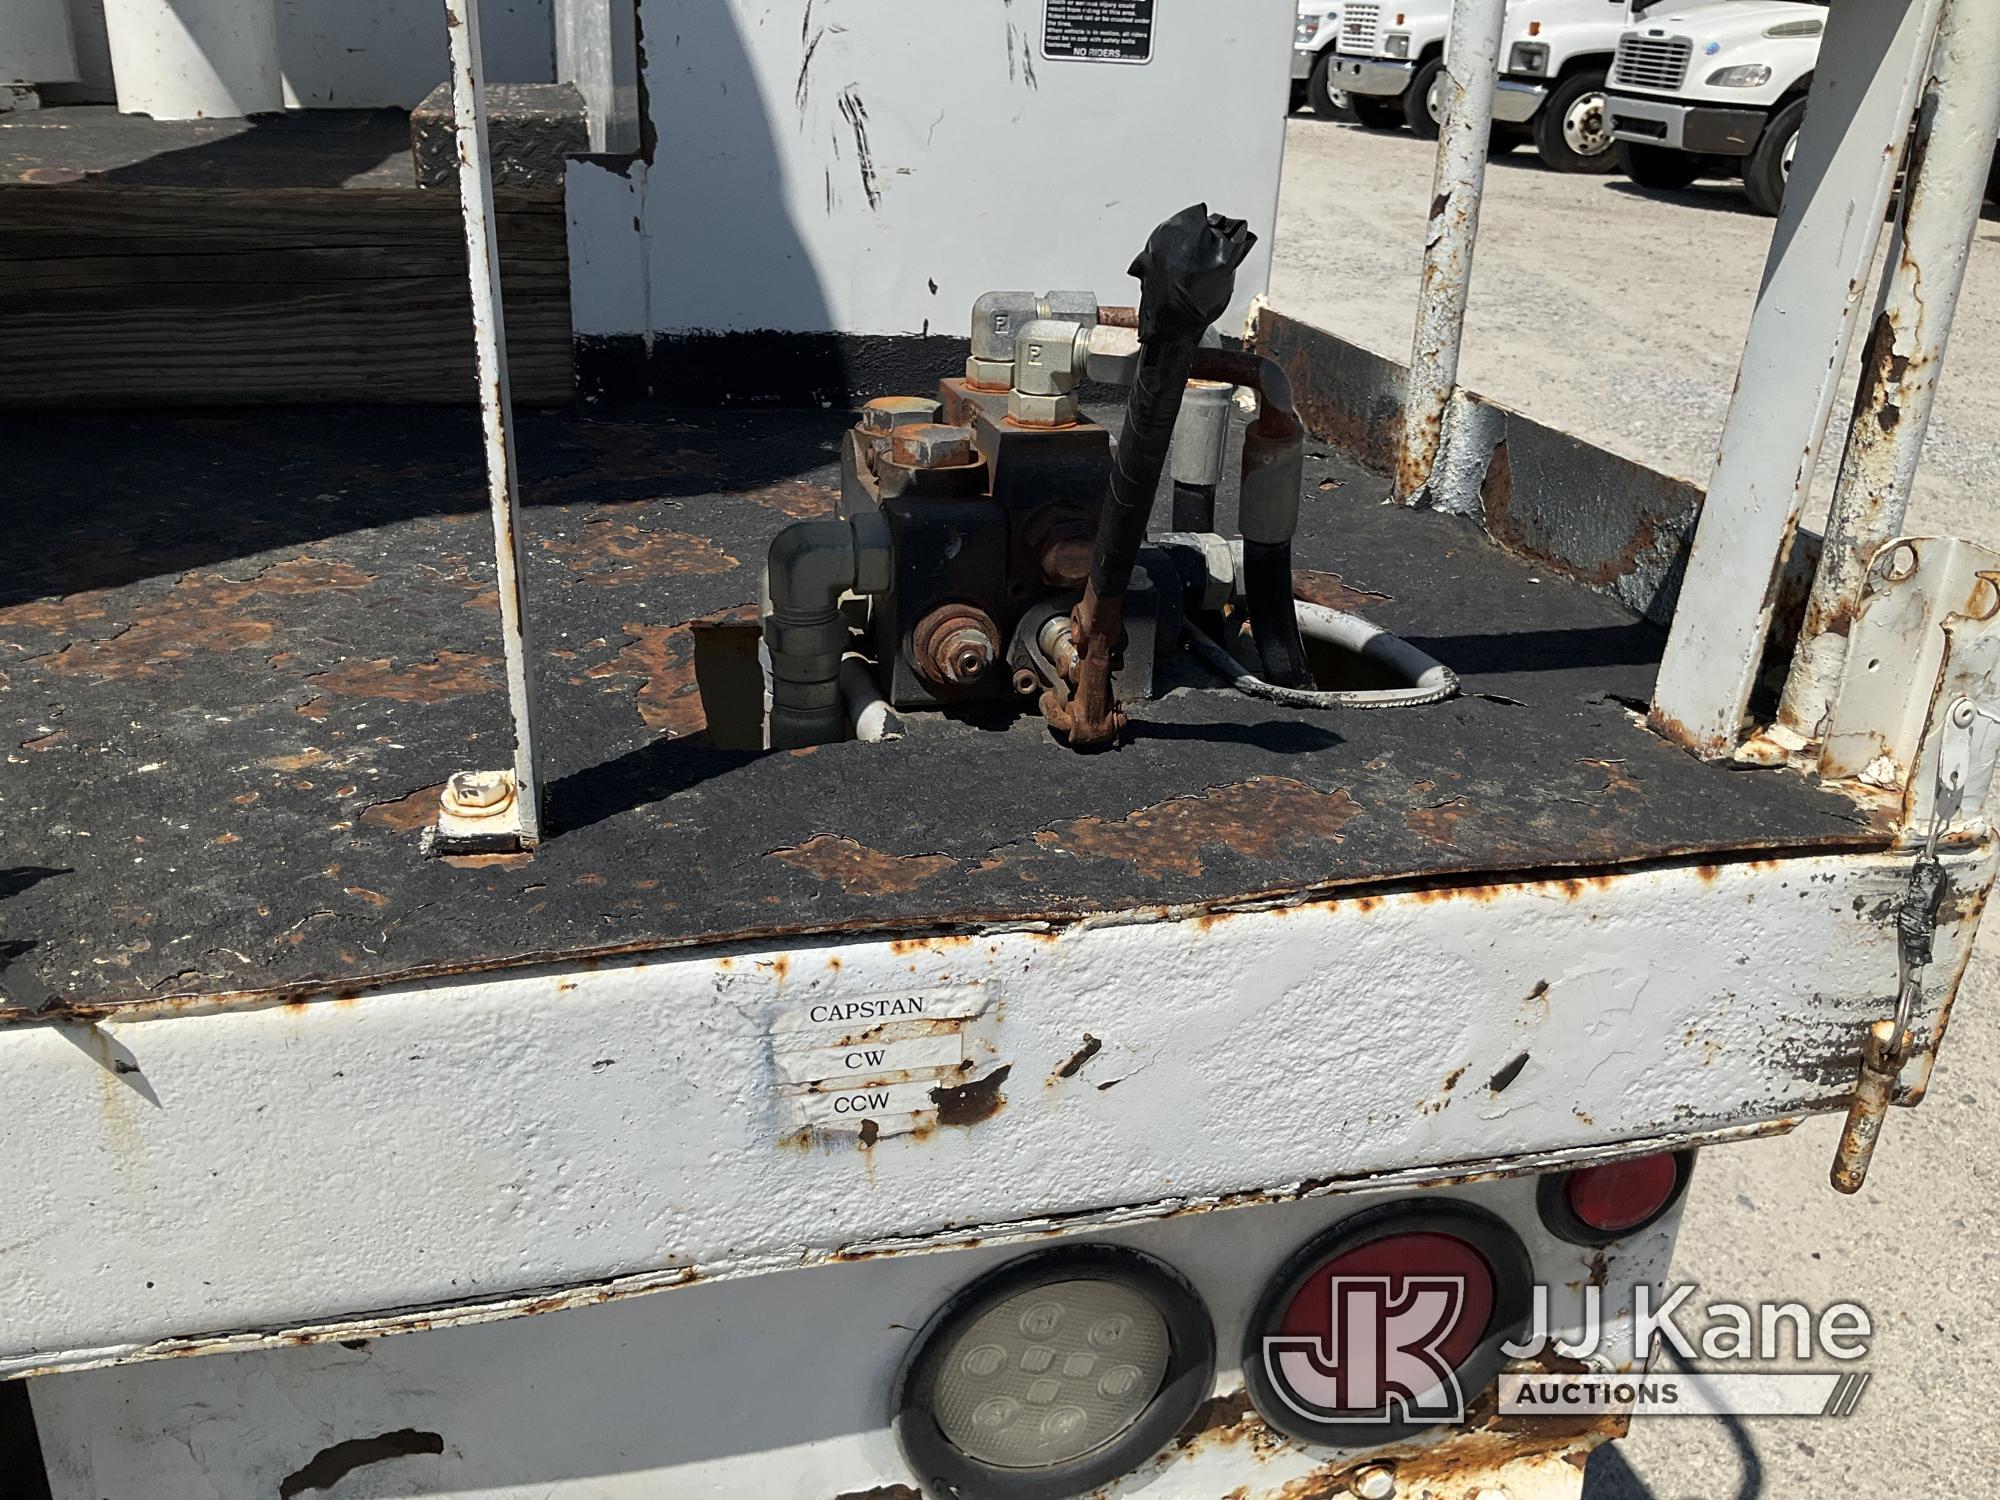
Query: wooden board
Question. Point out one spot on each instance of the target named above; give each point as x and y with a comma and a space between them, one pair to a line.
123, 294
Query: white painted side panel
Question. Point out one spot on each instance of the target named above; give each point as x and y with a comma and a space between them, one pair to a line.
187, 1173
35, 44
607, 248
778, 1388
872, 166
358, 54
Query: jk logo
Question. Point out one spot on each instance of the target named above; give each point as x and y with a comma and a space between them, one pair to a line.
1378, 1360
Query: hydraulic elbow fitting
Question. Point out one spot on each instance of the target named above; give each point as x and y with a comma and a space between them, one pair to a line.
812, 566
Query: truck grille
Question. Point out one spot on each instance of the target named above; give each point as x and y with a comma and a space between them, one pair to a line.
1358, 26
1652, 62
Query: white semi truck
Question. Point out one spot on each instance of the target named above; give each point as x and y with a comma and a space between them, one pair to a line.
1313, 59
1716, 90
1554, 57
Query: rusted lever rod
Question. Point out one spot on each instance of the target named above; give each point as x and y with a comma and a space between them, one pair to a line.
1187, 274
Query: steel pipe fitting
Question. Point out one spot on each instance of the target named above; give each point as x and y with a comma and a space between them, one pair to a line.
812, 565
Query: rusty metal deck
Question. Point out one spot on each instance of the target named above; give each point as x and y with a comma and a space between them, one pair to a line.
239, 653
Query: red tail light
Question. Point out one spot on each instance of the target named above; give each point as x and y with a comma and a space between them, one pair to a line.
1596, 1205
1387, 1324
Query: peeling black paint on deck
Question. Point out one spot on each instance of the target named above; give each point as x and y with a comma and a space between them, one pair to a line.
239, 653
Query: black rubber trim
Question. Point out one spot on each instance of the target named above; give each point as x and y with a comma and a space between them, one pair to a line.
946, 1471
1552, 1201
1513, 1302
1723, 132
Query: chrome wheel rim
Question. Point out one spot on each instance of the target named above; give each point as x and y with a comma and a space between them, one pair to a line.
1584, 130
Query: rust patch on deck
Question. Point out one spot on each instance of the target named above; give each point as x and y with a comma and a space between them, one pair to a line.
448, 675
863, 871
801, 499
660, 658
64, 616
203, 612
1329, 590
1261, 818
615, 554
1616, 778
405, 814
1438, 822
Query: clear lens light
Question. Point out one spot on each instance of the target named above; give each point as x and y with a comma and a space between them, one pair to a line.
1795, 28
1396, 44
1528, 57
1308, 28
1052, 1373
1742, 76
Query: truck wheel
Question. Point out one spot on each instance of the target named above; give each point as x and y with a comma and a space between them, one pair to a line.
1328, 102
1657, 166
1571, 131
1421, 106
1770, 164
1375, 114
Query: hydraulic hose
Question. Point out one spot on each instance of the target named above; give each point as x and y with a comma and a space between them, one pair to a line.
1187, 275
1274, 458
1429, 681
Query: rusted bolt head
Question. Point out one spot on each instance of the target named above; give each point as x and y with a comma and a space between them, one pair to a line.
887, 413
478, 794
1376, 1482
1026, 683
931, 445
1066, 562
955, 645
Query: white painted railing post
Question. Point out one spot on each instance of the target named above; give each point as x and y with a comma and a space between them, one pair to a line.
1903, 357
1470, 77
470, 793
1871, 64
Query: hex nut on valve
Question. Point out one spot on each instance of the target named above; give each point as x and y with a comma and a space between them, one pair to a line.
1376, 1482
932, 445
888, 413
954, 646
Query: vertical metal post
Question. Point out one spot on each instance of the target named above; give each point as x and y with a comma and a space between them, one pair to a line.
1871, 61
1471, 76
482, 254
1944, 185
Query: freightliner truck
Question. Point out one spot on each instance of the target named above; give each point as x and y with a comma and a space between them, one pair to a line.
1716, 90
1553, 60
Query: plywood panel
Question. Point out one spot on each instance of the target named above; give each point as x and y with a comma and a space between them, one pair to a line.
119, 294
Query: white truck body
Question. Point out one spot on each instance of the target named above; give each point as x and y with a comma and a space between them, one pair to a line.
1388, 51
1723, 85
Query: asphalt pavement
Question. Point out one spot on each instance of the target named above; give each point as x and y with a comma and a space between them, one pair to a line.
1619, 315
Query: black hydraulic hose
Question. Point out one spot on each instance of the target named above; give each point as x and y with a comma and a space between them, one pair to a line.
1274, 619
1268, 513
1187, 274
1194, 507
